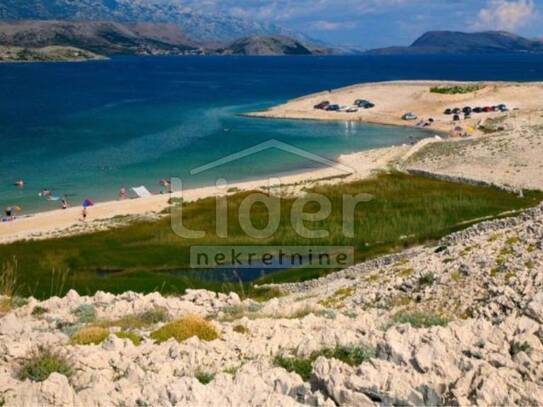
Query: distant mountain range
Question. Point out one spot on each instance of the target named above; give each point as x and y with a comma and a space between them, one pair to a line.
453, 42
111, 38
201, 27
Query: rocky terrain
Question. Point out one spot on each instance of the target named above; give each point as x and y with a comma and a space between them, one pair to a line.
457, 323
46, 54
102, 37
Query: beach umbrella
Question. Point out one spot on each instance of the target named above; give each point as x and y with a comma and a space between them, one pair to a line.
87, 202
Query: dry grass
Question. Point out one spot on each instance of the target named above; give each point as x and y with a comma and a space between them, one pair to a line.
90, 335
184, 328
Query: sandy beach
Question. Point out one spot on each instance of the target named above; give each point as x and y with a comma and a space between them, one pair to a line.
58, 223
393, 99
507, 154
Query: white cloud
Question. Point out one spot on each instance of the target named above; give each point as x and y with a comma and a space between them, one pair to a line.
505, 15
332, 25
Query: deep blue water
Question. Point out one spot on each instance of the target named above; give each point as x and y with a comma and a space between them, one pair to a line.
84, 129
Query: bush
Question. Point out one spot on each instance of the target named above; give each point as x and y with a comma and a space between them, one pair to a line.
427, 279
41, 364
420, 319
17, 302
351, 355
204, 377
85, 313
240, 329
90, 335
142, 320
184, 328
455, 90
134, 338
39, 310
517, 347
300, 366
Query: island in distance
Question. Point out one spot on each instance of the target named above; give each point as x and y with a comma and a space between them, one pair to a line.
454, 42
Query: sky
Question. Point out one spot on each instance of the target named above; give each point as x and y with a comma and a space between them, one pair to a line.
376, 23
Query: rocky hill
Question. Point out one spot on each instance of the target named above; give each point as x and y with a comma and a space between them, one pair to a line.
46, 54
274, 45
458, 323
106, 38
453, 42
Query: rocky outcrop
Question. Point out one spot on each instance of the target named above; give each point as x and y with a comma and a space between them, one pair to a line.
459, 323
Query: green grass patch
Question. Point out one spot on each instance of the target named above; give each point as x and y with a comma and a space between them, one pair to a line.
456, 90
38, 311
148, 256
351, 355
204, 377
419, 319
184, 328
131, 336
89, 335
39, 366
138, 321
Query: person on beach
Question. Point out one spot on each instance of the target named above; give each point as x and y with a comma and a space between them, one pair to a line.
84, 214
122, 193
64, 203
45, 193
165, 186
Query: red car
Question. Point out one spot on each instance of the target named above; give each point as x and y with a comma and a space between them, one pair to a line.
487, 109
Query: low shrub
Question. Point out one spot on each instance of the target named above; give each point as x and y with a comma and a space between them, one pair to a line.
263, 294
134, 338
42, 363
141, 320
517, 347
204, 377
351, 355
455, 90
419, 319
17, 302
184, 328
85, 313
39, 311
301, 366
426, 280
90, 335
240, 329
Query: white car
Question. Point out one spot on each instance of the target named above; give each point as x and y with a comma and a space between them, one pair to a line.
352, 109
409, 116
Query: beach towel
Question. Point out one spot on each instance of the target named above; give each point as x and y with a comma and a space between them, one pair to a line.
141, 191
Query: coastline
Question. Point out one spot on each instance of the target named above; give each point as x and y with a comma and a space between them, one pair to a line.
58, 222
514, 168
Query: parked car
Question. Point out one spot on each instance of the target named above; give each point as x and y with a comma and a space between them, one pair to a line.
352, 109
477, 110
467, 110
503, 108
456, 118
409, 116
447, 111
365, 104
456, 110
332, 108
322, 105
495, 108
487, 109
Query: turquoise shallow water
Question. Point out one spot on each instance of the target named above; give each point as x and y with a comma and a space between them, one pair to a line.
86, 129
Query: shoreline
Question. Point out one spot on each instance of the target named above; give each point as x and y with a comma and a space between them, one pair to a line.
59, 222
464, 158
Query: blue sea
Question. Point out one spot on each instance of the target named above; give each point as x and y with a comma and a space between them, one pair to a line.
85, 129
